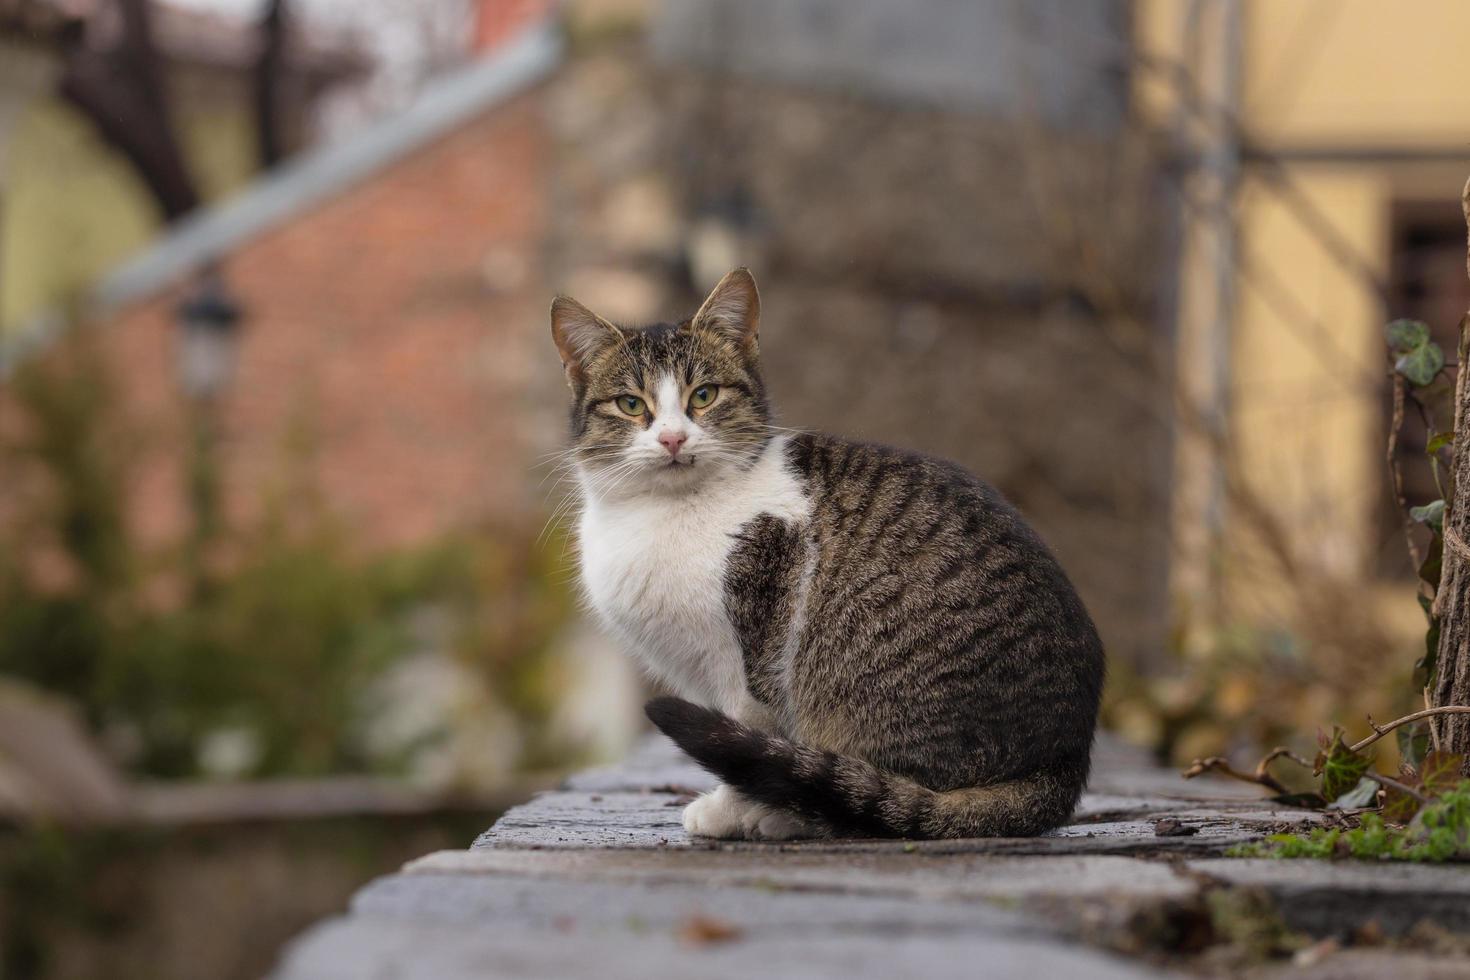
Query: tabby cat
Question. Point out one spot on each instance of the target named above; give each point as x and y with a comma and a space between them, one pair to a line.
864, 641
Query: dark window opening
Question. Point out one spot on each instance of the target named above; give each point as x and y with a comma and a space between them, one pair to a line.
1427, 281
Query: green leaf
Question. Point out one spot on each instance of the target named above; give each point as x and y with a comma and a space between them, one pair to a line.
1340, 767
1439, 441
1407, 830
1365, 794
1432, 568
1403, 335
1413, 743
1433, 561
1431, 514
1420, 364
1425, 668
1440, 771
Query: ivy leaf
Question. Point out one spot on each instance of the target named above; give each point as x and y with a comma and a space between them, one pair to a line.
1398, 806
1425, 668
1413, 744
1340, 767
1365, 794
1439, 441
1432, 568
1433, 561
1440, 771
1420, 364
1403, 335
1431, 515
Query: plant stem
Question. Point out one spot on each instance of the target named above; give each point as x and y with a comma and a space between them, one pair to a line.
1381, 730
1395, 784
1262, 775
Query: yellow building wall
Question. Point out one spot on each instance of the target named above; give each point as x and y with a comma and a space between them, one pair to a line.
74, 209
1353, 71
1306, 423
1366, 81
1325, 72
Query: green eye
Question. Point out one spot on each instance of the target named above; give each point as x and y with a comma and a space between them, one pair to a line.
703, 395
631, 405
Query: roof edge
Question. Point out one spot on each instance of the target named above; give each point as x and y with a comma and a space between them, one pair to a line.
302, 183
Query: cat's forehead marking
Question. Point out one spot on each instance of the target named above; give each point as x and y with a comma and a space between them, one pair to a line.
650, 353
653, 352
668, 400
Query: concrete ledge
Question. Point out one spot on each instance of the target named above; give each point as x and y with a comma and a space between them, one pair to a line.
599, 879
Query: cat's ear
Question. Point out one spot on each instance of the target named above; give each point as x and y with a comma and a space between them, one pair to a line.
580, 335
732, 310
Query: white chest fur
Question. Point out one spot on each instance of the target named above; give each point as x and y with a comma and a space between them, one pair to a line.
654, 569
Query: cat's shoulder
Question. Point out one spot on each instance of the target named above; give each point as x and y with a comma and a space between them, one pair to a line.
821, 458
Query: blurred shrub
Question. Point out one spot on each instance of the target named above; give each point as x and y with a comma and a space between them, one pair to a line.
267, 658
1239, 689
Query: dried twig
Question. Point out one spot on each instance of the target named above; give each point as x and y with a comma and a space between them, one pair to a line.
1396, 473
1261, 776
1281, 753
1385, 781
1433, 729
1220, 764
1381, 730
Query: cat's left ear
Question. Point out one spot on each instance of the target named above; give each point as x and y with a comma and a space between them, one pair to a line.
732, 310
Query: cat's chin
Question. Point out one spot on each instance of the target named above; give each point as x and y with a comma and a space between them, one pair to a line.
677, 475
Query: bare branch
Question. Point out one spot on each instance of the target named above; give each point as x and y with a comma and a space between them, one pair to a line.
1390, 783
121, 92
1396, 473
1381, 730
1260, 777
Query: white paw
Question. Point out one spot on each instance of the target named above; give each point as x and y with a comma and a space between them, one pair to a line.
725, 814
716, 814
781, 825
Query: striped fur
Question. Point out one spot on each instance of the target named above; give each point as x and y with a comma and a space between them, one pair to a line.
863, 640
848, 796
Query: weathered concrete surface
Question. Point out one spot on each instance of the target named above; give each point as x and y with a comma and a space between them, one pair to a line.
637, 805
1319, 896
599, 879
358, 948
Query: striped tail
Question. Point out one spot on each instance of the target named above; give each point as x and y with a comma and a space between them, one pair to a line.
854, 797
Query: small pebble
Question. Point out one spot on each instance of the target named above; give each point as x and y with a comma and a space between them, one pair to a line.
1172, 827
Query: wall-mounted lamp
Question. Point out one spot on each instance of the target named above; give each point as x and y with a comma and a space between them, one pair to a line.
208, 335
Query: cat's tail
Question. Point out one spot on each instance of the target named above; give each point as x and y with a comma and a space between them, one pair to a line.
852, 796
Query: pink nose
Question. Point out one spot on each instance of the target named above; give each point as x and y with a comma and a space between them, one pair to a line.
672, 441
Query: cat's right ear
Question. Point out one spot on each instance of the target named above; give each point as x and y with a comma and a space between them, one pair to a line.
580, 336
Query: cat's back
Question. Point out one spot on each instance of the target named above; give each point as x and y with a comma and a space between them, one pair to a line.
908, 506
910, 546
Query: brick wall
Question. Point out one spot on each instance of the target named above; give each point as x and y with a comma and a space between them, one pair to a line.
385, 354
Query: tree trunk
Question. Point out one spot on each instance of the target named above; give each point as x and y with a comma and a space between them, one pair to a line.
1452, 674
